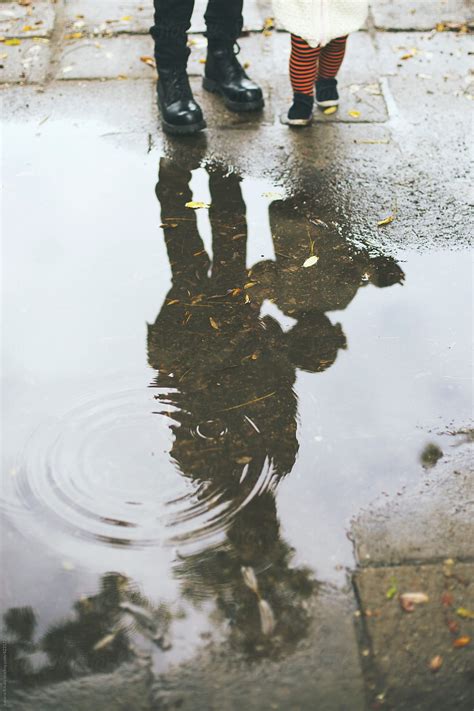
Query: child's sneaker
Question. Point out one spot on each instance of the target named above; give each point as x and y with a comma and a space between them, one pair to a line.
301, 110
326, 93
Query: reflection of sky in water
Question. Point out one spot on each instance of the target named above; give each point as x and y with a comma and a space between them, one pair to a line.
85, 268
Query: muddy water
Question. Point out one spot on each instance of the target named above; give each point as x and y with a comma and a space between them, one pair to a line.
192, 416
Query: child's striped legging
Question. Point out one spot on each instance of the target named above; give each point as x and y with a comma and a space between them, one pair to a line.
305, 68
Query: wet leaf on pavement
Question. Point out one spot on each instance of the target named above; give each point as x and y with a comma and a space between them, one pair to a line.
148, 60
409, 600
465, 613
311, 261
196, 205
386, 221
461, 641
393, 589
436, 663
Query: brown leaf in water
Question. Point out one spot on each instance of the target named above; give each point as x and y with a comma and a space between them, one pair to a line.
213, 323
453, 627
249, 284
173, 301
250, 579
104, 642
267, 618
166, 225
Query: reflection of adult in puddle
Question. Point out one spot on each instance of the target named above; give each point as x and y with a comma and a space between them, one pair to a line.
227, 376
227, 373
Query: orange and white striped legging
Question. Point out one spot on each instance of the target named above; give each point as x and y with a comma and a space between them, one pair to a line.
307, 64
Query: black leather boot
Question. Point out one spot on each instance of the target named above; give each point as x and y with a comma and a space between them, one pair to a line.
225, 75
179, 112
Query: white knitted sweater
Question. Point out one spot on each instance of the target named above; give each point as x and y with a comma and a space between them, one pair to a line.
320, 21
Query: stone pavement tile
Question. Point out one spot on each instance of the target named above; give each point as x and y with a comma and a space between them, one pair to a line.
432, 519
136, 16
27, 62
397, 646
419, 14
22, 21
105, 58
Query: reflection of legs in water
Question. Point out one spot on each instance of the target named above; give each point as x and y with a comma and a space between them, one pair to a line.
229, 229
188, 259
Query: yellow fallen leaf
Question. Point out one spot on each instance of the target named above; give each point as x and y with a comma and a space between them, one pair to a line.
202, 60
440, 27
122, 77
273, 196
74, 35
465, 613
12, 42
311, 261
196, 205
27, 28
354, 113
409, 54
385, 221
126, 18
148, 60
330, 110
213, 323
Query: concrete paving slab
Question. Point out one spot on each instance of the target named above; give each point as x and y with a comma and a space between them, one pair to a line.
397, 647
136, 16
36, 20
106, 58
432, 519
421, 14
27, 62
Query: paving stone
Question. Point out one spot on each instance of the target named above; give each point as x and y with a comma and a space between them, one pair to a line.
27, 62
432, 519
420, 14
14, 18
397, 646
136, 16
106, 58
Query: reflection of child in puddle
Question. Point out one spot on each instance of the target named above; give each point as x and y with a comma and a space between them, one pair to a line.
331, 283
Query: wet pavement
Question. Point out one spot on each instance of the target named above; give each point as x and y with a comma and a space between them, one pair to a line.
236, 431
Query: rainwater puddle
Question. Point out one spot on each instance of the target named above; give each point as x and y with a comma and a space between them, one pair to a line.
191, 416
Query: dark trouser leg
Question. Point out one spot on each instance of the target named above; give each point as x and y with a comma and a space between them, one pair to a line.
172, 21
224, 20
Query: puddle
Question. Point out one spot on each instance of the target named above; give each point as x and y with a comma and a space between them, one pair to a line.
194, 416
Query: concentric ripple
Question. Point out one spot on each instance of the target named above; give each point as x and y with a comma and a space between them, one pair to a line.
103, 472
